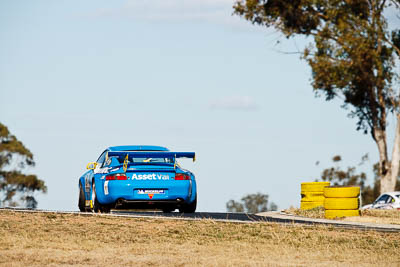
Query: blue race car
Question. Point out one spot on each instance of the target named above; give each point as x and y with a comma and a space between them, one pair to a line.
138, 177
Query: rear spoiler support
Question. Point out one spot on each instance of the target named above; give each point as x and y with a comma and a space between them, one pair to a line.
129, 155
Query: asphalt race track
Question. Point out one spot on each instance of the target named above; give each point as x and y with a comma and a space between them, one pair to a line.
275, 217
234, 217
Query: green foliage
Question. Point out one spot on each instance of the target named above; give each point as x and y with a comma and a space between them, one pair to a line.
353, 53
14, 157
234, 206
351, 177
252, 203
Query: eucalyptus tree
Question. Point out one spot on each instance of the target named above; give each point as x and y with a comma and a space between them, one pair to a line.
251, 203
351, 176
353, 52
14, 157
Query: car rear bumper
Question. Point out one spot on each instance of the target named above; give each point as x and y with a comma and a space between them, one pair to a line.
145, 204
126, 193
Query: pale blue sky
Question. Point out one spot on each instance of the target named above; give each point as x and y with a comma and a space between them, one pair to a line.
79, 76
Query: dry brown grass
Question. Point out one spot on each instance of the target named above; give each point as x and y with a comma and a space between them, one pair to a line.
368, 216
392, 214
377, 216
318, 212
38, 239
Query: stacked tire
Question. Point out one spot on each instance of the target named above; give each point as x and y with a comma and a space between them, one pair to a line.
341, 201
312, 195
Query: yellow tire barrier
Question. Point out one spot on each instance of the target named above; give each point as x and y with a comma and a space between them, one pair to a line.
312, 196
332, 214
307, 205
341, 191
314, 186
342, 203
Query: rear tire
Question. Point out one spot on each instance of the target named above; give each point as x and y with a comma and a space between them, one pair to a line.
168, 210
314, 186
82, 199
341, 203
189, 208
97, 207
342, 191
105, 208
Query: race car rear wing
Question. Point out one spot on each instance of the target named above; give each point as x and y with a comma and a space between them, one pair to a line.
152, 154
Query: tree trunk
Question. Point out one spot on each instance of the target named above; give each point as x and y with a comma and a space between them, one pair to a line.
390, 170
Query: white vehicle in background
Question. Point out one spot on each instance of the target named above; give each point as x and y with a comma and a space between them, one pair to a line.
386, 201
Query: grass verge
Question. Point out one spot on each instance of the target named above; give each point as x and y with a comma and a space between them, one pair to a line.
370, 216
49, 239
318, 212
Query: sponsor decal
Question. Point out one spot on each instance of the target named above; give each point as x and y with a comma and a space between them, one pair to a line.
106, 187
104, 170
150, 177
126, 160
151, 191
87, 182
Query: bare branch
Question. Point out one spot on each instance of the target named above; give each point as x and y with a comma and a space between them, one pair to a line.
392, 45
396, 3
382, 6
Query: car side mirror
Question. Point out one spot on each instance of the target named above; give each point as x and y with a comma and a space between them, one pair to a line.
381, 202
91, 165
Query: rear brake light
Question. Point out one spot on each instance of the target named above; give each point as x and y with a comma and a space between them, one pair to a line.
118, 176
181, 176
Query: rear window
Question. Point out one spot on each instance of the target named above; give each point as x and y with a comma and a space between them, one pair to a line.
145, 160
